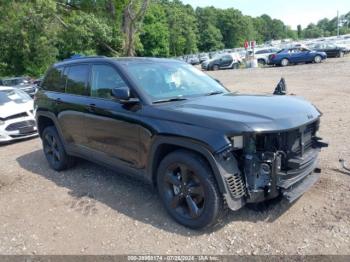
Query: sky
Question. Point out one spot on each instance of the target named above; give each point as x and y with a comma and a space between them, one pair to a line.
291, 12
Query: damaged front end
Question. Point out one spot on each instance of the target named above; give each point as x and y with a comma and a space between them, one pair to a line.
266, 165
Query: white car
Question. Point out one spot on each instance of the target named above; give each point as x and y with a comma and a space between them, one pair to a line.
16, 115
262, 55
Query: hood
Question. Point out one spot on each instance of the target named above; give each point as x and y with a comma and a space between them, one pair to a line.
13, 108
248, 112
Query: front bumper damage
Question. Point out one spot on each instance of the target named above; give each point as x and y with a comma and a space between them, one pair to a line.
271, 165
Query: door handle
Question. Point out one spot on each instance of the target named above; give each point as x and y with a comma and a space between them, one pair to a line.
91, 107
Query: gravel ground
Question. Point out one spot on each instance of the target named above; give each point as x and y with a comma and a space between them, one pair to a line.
92, 210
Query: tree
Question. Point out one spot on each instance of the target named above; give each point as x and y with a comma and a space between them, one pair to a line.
155, 34
133, 15
210, 37
27, 37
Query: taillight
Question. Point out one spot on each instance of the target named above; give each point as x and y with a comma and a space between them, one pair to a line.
272, 56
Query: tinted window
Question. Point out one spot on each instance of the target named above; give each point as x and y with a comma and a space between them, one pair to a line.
54, 80
77, 78
261, 52
103, 79
226, 58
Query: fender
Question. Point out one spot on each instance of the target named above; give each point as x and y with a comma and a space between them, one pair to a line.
186, 143
52, 117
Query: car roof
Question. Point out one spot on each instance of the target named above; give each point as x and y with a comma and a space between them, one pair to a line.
3, 88
121, 60
14, 78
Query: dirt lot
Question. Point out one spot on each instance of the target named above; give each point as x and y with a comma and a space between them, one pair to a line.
92, 210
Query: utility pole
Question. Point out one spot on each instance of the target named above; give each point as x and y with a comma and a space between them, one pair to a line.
337, 23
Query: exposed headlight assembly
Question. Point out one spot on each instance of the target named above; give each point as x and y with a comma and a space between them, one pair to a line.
237, 142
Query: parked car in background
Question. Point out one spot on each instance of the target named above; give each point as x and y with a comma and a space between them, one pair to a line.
296, 55
16, 115
22, 83
222, 61
332, 50
192, 59
203, 57
262, 55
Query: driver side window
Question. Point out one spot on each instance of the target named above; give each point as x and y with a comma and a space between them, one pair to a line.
104, 78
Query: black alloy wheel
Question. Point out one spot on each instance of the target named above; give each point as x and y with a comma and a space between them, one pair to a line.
54, 151
184, 191
188, 190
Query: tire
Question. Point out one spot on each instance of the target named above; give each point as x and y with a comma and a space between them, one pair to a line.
188, 190
261, 62
54, 151
235, 66
216, 67
284, 62
317, 59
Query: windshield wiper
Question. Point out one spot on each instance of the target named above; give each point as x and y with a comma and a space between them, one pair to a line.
214, 93
173, 99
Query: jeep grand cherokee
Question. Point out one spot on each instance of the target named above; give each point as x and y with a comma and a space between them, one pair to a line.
202, 146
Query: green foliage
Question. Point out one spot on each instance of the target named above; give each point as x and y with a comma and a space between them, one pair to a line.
36, 33
155, 35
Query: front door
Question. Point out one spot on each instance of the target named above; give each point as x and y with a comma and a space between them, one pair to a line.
111, 129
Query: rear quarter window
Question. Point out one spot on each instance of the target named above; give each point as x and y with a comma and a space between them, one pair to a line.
54, 80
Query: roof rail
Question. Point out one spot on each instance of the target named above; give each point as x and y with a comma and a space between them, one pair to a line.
74, 57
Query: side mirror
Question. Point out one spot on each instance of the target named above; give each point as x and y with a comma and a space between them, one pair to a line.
122, 94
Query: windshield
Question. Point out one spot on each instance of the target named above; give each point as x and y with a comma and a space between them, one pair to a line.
170, 80
15, 95
15, 82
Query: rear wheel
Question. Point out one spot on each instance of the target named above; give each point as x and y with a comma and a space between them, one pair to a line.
318, 59
284, 62
261, 61
188, 190
54, 150
215, 68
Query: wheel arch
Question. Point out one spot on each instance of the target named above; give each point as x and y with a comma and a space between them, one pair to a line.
45, 119
165, 145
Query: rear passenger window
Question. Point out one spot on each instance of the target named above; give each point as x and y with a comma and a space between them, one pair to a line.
54, 80
77, 79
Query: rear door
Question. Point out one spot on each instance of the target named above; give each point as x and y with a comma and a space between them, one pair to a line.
226, 61
72, 105
112, 129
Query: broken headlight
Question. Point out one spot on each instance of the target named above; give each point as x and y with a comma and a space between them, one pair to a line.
237, 142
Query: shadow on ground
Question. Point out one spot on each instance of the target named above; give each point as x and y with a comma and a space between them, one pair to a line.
131, 197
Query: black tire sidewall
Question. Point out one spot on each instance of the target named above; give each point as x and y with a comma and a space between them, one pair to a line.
64, 158
215, 68
213, 200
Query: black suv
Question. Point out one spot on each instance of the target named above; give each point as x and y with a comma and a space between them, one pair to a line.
200, 145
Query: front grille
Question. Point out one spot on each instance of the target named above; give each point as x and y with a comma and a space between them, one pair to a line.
21, 125
24, 114
293, 143
236, 185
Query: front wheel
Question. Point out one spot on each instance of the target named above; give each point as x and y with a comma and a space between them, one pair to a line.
215, 68
188, 190
318, 59
284, 62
